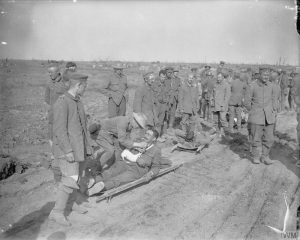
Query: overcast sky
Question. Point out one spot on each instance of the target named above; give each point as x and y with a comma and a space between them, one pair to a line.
245, 31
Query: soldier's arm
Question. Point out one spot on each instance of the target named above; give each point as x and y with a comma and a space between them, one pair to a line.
60, 125
47, 94
248, 97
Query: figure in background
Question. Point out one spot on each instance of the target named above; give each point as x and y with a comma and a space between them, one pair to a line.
116, 89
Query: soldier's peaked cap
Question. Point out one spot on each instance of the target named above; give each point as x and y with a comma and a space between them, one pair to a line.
80, 77
148, 75
70, 64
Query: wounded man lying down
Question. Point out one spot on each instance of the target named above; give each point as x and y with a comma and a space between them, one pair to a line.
131, 166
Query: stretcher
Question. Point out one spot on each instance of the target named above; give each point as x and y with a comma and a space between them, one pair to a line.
110, 193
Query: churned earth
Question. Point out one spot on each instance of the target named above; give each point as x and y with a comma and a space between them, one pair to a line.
217, 194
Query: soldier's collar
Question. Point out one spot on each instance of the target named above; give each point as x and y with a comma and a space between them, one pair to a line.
260, 83
72, 97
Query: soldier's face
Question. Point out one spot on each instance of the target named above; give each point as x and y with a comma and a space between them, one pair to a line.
149, 136
162, 77
119, 71
150, 80
53, 73
81, 88
176, 74
265, 77
169, 74
220, 78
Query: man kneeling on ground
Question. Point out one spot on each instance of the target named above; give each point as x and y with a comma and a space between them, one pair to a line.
134, 166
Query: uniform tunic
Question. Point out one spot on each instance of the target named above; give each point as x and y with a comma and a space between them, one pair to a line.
144, 102
53, 90
115, 88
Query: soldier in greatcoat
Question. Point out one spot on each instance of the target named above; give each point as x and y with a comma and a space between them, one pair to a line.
262, 106
116, 89
71, 143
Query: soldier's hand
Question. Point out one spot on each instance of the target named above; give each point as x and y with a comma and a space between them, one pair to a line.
70, 157
149, 176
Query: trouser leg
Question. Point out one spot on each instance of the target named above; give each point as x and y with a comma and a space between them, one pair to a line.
216, 120
222, 119
267, 139
108, 153
122, 107
257, 133
231, 117
238, 111
112, 108
126, 176
298, 129
203, 108
172, 114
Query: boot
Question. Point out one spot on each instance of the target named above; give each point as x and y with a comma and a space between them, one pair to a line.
266, 160
79, 209
256, 160
95, 189
57, 213
75, 201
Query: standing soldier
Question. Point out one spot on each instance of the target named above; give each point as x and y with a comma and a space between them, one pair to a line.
238, 91
173, 86
220, 67
284, 90
274, 78
221, 93
188, 102
292, 86
161, 96
260, 101
207, 94
56, 87
144, 100
297, 101
115, 88
70, 143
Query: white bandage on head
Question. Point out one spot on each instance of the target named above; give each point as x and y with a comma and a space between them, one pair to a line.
129, 156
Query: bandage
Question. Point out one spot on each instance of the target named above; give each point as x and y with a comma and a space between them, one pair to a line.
129, 156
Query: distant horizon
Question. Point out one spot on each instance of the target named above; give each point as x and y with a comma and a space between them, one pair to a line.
148, 62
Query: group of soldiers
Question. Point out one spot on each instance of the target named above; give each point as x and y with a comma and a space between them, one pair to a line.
204, 93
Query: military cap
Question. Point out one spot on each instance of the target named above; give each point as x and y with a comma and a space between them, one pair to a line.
78, 77
207, 66
222, 62
93, 128
162, 71
176, 70
70, 64
148, 75
264, 69
194, 69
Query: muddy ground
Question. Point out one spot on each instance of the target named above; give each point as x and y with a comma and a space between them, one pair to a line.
218, 194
